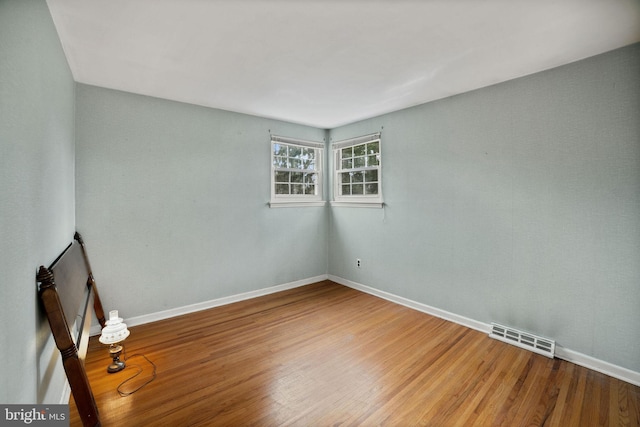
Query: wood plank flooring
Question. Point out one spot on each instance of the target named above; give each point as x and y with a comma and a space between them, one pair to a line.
327, 355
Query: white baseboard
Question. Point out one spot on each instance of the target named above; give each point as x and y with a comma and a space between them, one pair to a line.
179, 311
569, 355
461, 320
598, 365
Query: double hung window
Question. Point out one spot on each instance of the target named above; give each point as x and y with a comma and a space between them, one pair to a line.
357, 171
296, 172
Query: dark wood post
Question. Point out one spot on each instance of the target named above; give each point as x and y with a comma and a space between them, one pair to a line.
97, 303
76, 374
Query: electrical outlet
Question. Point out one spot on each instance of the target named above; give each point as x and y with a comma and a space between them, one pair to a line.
358, 263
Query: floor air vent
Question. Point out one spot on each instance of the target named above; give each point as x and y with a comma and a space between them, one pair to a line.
543, 346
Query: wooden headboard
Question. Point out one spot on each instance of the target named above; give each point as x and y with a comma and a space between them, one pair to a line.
67, 290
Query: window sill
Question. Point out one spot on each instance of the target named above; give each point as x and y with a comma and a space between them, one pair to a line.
340, 204
297, 204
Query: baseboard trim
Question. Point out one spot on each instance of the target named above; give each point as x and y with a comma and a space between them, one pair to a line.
192, 308
443, 314
563, 353
598, 365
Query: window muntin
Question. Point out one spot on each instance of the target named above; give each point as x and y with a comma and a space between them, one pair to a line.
296, 175
294, 169
357, 170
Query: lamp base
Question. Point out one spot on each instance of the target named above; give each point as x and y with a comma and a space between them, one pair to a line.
116, 366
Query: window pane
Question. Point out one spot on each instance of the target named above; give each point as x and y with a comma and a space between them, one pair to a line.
308, 153
371, 176
295, 171
279, 150
297, 189
282, 176
280, 162
357, 172
282, 188
373, 147
295, 151
296, 176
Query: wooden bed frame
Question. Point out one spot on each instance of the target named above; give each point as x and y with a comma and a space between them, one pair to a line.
66, 291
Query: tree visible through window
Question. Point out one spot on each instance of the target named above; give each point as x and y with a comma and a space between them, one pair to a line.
296, 171
357, 172
359, 169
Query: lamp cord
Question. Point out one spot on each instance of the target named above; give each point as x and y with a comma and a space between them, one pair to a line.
153, 375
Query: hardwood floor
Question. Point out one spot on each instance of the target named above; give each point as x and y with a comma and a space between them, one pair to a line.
325, 355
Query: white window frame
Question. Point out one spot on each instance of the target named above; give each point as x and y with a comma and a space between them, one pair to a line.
353, 200
298, 200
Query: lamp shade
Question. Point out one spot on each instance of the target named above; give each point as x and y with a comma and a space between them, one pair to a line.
115, 330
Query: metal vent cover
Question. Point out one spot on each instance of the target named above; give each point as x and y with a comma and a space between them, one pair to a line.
543, 346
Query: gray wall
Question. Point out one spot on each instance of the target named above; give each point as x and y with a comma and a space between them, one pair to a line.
36, 193
172, 203
518, 203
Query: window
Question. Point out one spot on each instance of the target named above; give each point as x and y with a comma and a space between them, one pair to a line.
357, 172
296, 172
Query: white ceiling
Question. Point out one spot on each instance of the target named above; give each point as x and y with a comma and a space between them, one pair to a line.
332, 62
